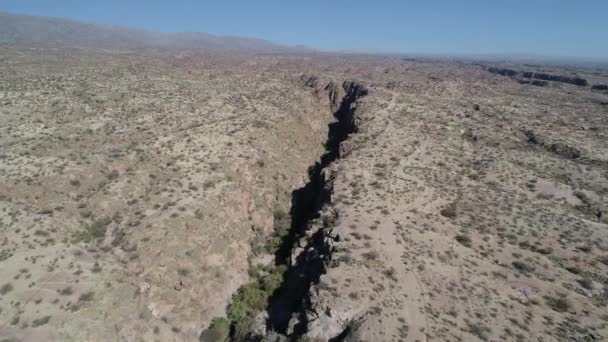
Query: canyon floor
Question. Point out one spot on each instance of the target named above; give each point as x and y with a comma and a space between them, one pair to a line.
161, 195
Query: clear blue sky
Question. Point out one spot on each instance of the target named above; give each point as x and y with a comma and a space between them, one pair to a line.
537, 27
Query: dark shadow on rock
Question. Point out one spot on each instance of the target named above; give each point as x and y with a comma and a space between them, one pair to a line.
292, 298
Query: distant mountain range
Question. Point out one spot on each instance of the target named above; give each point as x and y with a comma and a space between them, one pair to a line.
38, 31
18, 29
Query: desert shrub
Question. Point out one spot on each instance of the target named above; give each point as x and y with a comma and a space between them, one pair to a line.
39, 232
86, 297
96, 268
218, 331
585, 249
449, 211
282, 224
583, 197
242, 328
93, 231
586, 283
522, 266
279, 214
274, 243
573, 269
6, 288
476, 106
544, 250
41, 321
464, 240
252, 298
560, 304
480, 330
66, 291
369, 256
183, 272
97, 229
114, 174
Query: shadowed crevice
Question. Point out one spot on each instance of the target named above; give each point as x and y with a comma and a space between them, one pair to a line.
292, 298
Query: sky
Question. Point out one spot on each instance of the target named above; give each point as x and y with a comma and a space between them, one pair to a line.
557, 28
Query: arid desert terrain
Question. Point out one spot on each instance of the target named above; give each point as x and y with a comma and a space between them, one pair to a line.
186, 195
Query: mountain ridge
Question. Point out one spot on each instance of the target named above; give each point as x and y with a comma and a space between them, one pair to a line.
43, 31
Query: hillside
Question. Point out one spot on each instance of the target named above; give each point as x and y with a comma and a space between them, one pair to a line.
198, 195
39, 31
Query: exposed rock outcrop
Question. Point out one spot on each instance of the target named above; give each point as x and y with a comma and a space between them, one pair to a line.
537, 78
556, 78
599, 87
310, 81
559, 148
537, 83
308, 248
564, 150
502, 71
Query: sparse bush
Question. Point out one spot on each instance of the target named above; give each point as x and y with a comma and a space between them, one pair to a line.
95, 230
96, 268
449, 211
573, 269
586, 283
183, 272
480, 330
86, 297
545, 250
40, 232
464, 240
6, 288
522, 266
41, 321
114, 174
282, 223
561, 304
373, 255
66, 291
279, 214
253, 298
218, 331
585, 248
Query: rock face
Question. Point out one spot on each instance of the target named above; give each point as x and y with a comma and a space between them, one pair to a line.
599, 87
532, 138
310, 81
308, 248
538, 78
564, 150
561, 149
537, 83
556, 78
502, 71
